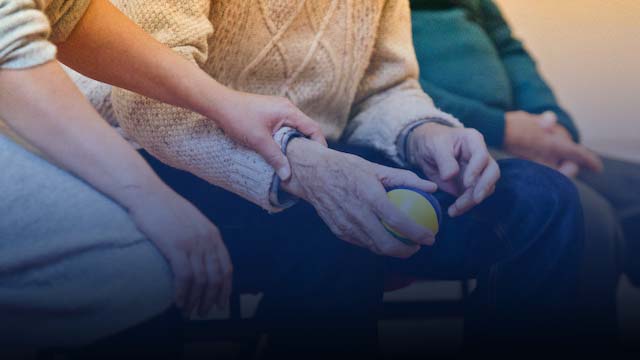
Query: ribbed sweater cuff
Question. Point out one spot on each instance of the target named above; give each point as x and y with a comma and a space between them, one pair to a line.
277, 198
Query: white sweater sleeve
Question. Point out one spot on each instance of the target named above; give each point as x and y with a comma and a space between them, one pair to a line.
389, 97
24, 30
179, 137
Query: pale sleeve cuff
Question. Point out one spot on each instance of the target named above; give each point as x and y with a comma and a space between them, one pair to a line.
277, 197
402, 142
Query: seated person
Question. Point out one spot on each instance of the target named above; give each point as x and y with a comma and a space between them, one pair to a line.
60, 235
351, 67
475, 69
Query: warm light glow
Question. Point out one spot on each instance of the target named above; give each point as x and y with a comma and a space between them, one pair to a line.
590, 51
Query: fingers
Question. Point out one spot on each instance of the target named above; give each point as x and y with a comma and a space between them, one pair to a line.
199, 285
582, 156
476, 151
390, 177
486, 182
301, 122
213, 289
463, 203
273, 155
183, 278
397, 220
224, 260
447, 164
569, 169
547, 120
387, 244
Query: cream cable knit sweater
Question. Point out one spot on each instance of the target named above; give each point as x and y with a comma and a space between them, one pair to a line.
348, 64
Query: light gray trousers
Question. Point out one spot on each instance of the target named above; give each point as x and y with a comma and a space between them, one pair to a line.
73, 266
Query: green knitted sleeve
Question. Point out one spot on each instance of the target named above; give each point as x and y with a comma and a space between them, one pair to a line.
531, 92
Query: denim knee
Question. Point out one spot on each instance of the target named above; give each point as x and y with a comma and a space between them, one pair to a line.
543, 187
538, 204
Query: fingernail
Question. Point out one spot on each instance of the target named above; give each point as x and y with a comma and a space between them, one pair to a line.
452, 211
284, 173
428, 241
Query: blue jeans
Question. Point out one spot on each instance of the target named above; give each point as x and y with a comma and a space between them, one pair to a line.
322, 294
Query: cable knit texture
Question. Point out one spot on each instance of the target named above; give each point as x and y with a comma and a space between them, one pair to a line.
350, 65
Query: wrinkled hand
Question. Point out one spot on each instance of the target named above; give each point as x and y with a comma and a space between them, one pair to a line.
251, 120
457, 160
539, 138
192, 245
349, 194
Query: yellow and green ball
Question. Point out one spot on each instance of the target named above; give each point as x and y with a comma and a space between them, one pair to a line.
420, 206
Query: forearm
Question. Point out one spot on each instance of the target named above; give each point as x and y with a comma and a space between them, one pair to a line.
188, 141
107, 46
43, 106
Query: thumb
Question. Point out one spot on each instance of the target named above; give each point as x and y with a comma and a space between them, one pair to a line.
272, 154
569, 169
547, 120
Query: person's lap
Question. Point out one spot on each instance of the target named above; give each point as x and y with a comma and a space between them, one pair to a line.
617, 184
73, 267
276, 245
310, 280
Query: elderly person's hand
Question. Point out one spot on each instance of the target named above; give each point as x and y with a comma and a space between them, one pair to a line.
539, 138
457, 160
349, 194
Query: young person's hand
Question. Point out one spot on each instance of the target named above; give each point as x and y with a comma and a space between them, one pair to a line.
109, 47
43, 101
348, 192
458, 160
539, 138
192, 245
251, 120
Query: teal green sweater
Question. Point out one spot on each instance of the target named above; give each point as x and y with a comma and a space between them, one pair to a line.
475, 69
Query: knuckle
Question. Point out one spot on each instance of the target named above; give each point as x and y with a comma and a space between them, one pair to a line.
393, 219
472, 133
286, 106
388, 248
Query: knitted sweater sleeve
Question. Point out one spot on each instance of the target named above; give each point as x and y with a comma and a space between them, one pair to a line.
389, 97
28, 26
531, 91
179, 137
24, 30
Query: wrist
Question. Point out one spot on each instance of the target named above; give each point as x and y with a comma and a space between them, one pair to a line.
303, 155
511, 132
418, 135
218, 103
143, 194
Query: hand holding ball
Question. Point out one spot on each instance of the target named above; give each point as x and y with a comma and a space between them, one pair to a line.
421, 207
